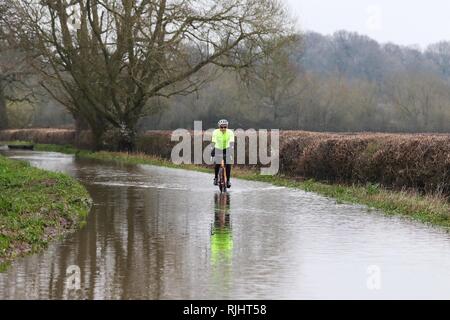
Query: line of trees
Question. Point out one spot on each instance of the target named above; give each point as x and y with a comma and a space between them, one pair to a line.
341, 82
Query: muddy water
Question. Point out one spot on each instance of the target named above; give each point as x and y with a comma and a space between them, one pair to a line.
159, 233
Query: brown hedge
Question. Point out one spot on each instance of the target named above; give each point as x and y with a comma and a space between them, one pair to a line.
420, 162
48, 136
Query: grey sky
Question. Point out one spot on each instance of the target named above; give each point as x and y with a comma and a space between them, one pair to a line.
419, 22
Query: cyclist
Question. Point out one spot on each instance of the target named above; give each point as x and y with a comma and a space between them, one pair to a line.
222, 148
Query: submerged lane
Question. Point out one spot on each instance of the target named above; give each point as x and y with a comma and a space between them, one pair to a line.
160, 233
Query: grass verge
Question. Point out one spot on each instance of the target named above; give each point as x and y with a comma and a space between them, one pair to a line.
36, 207
431, 209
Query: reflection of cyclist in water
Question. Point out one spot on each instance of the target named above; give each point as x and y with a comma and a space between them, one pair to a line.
221, 240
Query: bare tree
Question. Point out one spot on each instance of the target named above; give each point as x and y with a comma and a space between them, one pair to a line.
13, 82
421, 99
439, 53
105, 59
3, 75
14, 71
273, 82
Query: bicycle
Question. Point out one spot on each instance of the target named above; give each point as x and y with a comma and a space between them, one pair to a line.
222, 177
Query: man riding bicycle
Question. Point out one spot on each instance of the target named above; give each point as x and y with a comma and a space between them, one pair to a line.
223, 148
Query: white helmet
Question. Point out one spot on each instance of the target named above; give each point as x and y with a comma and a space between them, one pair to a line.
223, 122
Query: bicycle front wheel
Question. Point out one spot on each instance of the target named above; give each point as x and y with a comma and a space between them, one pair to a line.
222, 183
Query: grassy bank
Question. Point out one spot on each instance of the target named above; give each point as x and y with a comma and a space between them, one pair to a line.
36, 206
433, 209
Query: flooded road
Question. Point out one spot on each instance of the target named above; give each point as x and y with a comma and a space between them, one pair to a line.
159, 233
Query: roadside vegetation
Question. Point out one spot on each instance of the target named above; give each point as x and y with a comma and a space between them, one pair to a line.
36, 207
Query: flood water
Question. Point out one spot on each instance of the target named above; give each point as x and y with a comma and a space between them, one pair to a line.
160, 233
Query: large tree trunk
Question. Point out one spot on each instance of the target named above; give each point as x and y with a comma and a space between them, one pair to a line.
97, 137
80, 123
3, 116
83, 127
127, 138
98, 130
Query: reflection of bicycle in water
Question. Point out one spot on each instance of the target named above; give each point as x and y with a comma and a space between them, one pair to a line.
222, 177
221, 235
221, 241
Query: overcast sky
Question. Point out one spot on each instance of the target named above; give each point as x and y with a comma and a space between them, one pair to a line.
419, 22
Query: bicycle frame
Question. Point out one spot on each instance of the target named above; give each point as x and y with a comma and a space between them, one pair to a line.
223, 177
